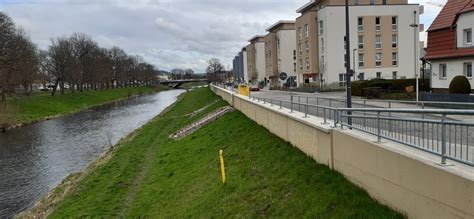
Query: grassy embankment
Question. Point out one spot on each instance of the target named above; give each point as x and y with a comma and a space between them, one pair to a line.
154, 176
41, 106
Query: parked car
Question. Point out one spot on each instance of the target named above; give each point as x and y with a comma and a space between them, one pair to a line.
254, 88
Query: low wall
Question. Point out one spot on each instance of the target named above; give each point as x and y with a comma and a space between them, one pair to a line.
403, 178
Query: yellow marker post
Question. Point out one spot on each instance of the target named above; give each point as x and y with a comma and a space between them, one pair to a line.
222, 165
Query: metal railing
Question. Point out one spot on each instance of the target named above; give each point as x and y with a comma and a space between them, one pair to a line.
365, 103
429, 130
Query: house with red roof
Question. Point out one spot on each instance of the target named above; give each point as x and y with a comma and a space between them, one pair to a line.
450, 47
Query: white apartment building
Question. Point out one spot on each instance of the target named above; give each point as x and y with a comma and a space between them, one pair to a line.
382, 42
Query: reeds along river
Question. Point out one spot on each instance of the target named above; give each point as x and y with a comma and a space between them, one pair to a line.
36, 158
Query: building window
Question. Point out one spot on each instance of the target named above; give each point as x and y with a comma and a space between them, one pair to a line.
300, 62
294, 67
342, 79
307, 46
306, 31
377, 23
442, 71
361, 60
294, 54
468, 69
322, 44
361, 76
372, 2
300, 34
394, 58
360, 24
356, 2
378, 41
384, 2
468, 36
307, 63
394, 75
321, 27
300, 48
378, 74
394, 40
378, 59
394, 23
361, 42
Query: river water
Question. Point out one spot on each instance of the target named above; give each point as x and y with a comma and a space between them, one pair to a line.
36, 158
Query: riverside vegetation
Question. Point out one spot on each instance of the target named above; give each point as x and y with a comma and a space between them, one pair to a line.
151, 175
29, 109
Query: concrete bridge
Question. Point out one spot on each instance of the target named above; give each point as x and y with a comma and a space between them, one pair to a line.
409, 180
177, 83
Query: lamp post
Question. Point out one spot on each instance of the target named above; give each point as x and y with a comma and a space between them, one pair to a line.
348, 66
415, 31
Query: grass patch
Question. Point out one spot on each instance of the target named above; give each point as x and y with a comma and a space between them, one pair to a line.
154, 176
41, 106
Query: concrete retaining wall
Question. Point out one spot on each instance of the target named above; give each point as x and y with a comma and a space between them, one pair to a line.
405, 179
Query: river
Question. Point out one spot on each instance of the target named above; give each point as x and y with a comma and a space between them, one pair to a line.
36, 158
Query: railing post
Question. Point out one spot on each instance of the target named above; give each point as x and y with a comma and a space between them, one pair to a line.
324, 115
291, 104
379, 131
443, 139
306, 111
280, 104
365, 114
335, 118
271, 102
299, 104
263, 101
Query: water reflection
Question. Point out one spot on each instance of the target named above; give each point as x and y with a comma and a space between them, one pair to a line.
36, 158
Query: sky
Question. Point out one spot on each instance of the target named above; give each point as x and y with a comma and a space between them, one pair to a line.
167, 33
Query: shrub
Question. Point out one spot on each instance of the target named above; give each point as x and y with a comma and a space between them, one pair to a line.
459, 85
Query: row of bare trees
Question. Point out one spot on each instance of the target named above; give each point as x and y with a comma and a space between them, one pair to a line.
76, 62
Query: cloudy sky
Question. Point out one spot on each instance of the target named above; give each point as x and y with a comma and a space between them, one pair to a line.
167, 33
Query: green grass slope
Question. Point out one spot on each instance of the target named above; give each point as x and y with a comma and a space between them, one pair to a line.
154, 176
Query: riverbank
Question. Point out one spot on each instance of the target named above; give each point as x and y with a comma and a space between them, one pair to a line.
35, 108
152, 175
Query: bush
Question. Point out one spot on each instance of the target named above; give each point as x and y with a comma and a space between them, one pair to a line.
386, 84
459, 85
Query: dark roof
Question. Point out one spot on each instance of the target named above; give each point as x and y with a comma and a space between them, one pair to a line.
448, 14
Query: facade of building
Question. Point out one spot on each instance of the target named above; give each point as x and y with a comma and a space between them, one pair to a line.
244, 66
280, 52
307, 44
450, 49
238, 67
256, 59
382, 42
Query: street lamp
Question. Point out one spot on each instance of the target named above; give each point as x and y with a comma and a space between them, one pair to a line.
348, 67
415, 31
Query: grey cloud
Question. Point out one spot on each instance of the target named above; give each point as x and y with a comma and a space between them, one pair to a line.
167, 33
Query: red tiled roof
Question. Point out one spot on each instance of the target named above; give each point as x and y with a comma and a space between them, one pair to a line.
442, 44
447, 15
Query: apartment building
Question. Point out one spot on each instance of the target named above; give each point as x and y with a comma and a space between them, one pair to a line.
280, 53
245, 78
256, 59
307, 44
450, 47
237, 67
382, 42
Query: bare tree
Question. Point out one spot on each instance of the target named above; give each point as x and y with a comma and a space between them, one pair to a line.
213, 69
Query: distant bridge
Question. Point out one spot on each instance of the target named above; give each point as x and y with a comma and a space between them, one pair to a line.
177, 83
